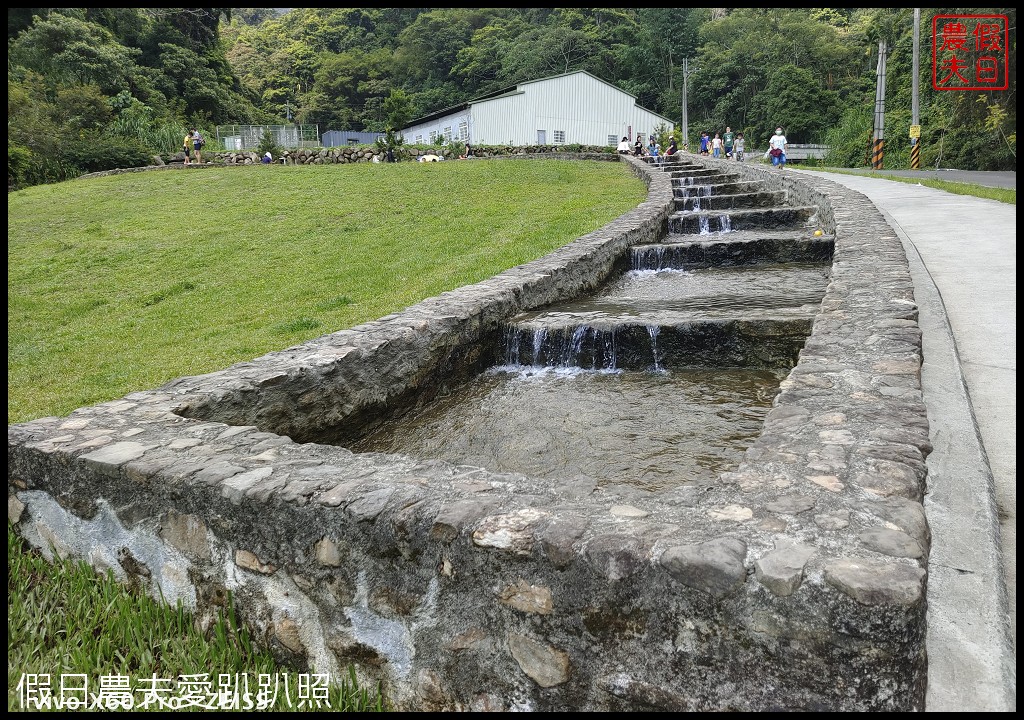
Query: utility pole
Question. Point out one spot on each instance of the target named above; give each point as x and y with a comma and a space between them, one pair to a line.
878, 145
915, 106
686, 120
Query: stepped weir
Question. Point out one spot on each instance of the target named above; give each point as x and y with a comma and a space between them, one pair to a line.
738, 525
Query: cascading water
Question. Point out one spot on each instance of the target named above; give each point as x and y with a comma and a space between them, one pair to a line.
564, 348
625, 385
538, 343
653, 331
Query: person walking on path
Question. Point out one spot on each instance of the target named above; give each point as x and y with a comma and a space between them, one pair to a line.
186, 147
777, 148
737, 151
716, 146
705, 143
727, 141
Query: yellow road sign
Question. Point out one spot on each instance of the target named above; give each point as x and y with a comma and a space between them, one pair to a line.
915, 131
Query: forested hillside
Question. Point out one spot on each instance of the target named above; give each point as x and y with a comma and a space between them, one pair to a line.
96, 88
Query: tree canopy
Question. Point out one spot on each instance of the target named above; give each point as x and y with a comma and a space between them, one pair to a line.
158, 70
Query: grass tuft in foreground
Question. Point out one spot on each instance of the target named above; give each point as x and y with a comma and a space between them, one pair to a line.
63, 618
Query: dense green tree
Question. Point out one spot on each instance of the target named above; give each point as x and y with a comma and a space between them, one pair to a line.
141, 75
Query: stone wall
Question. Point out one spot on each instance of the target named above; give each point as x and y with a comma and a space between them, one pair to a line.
796, 582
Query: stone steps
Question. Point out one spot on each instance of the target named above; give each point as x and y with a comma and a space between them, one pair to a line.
763, 340
764, 199
744, 247
717, 188
684, 223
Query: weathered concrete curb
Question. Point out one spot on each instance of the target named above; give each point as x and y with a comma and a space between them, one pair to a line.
796, 582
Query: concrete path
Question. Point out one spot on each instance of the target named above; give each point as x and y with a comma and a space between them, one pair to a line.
998, 179
962, 253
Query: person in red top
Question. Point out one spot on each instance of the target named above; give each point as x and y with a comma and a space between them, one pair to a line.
672, 147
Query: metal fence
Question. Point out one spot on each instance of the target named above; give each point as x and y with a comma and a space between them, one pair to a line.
248, 137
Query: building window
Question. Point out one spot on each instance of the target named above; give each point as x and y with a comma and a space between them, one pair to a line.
448, 134
419, 139
559, 137
463, 131
433, 137
542, 137
353, 141
612, 140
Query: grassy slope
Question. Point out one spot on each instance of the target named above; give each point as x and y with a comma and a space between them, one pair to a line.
122, 283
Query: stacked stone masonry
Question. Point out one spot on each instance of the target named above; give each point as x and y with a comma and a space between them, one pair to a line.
796, 582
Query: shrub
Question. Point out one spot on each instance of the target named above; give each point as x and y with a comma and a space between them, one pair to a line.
99, 152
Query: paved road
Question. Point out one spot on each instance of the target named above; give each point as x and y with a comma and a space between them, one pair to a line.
1007, 179
962, 252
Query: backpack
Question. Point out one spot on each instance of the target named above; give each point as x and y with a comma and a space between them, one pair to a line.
202, 141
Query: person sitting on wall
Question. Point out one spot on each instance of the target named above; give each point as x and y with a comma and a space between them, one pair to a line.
672, 147
623, 148
267, 158
468, 153
638, 147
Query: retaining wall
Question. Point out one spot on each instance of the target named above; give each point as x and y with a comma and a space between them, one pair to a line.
795, 582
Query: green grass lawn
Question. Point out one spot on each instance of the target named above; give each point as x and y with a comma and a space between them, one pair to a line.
122, 283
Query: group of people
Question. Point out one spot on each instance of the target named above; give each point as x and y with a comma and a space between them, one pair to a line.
728, 145
193, 143
651, 149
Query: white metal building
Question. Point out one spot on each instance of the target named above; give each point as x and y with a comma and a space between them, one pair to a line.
576, 107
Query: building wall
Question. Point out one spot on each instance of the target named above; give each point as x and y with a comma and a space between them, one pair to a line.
420, 134
503, 121
581, 107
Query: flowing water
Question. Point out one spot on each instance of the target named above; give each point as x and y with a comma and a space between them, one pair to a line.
617, 386
705, 293
652, 430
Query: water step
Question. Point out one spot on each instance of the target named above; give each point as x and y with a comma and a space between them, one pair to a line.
728, 250
669, 162
763, 342
697, 171
682, 190
714, 201
730, 220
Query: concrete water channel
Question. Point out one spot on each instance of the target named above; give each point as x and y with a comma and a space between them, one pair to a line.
663, 375
677, 464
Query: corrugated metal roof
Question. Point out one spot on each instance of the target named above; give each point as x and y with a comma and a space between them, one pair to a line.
516, 89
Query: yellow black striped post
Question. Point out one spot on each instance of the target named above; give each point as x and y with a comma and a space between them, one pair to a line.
915, 156
877, 154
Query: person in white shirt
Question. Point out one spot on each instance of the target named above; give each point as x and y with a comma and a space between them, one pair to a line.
624, 147
777, 148
716, 146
